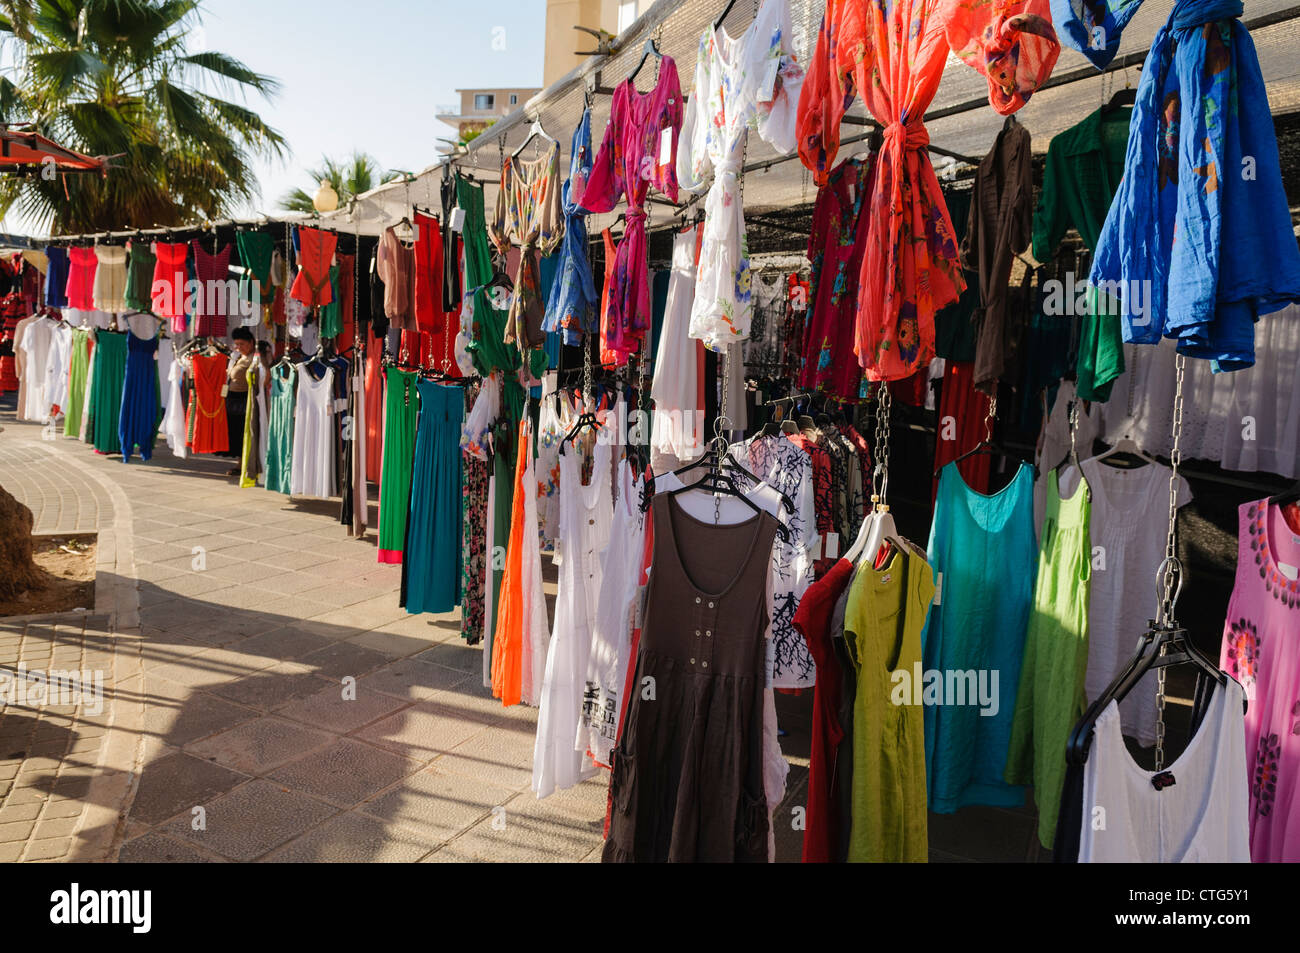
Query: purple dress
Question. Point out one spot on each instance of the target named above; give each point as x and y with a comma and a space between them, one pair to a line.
628, 163
1261, 649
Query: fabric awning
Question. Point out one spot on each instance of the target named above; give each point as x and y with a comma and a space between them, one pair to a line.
23, 149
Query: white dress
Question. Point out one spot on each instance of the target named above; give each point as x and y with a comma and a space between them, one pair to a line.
586, 514
35, 343
611, 638
787, 467
536, 626
1127, 526
56, 367
312, 470
744, 83
20, 364
1203, 817
676, 438
173, 422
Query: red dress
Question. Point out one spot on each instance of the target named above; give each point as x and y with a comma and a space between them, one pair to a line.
316, 251
169, 283
213, 272
428, 273
824, 821
81, 278
207, 429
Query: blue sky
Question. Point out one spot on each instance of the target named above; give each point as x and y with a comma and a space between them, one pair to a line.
369, 74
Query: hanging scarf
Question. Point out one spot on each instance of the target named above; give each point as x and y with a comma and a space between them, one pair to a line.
1093, 27
1198, 241
1010, 41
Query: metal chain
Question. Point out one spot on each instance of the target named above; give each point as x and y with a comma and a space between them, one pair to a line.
880, 475
1074, 432
1169, 576
586, 371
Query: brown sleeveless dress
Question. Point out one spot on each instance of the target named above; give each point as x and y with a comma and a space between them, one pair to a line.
688, 769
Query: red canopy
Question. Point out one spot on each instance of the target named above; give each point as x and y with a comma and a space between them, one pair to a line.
19, 149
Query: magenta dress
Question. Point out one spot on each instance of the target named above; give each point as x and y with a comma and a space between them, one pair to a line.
81, 278
628, 163
1261, 649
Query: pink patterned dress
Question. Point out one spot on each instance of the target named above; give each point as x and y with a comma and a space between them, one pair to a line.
628, 163
1261, 649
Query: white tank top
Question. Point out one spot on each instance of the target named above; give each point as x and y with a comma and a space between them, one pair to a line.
312, 470
1202, 817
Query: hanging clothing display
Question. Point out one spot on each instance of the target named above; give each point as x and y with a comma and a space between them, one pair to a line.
883, 620
639, 150
78, 368
474, 539
206, 426
694, 791
255, 252
313, 469
1050, 699
983, 553
433, 542
1199, 249
893, 56
750, 81
279, 454
400, 417
1093, 28
571, 308
173, 424
212, 271
141, 402
1202, 816
528, 213
1261, 652
109, 287
586, 517
106, 398
427, 276
311, 286
32, 342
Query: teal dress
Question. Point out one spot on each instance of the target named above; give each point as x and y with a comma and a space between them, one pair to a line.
279, 428
432, 563
984, 556
109, 379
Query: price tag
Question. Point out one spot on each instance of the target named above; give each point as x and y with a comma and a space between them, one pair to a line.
356, 383
666, 146
832, 550
457, 221
225, 389
340, 404
1291, 572
938, 590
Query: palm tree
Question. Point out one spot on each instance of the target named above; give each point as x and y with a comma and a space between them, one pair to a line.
114, 77
352, 176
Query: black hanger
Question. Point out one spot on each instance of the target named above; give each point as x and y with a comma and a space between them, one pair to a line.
1123, 97
1178, 650
1287, 496
721, 460
718, 481
650, 49
725, 10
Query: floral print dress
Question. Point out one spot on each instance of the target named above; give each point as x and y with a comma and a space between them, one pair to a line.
1261, 650
740, 84
571, 308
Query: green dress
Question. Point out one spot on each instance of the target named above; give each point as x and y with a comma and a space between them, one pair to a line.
401, 412
331, 315
279, 428
883, 621
1051, 697
140, 263
106, 390
78, 366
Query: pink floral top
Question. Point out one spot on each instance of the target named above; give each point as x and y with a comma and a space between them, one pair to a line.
628, 163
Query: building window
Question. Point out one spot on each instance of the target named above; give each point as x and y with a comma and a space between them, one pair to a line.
626, 14
484, 100
514, 100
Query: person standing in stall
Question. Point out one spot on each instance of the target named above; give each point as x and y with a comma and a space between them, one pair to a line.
237, 391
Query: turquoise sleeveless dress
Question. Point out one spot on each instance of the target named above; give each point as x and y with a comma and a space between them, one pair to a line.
984, 555
279, 428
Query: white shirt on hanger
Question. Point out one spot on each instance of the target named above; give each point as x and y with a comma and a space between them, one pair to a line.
312, 470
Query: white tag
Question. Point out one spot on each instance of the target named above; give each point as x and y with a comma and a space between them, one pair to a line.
457, 221
938, 589
832, 550
356, 382
767, 85
1289, 571
769, 663
415, 232
666, 146
340, 404
638, 607
225, 389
